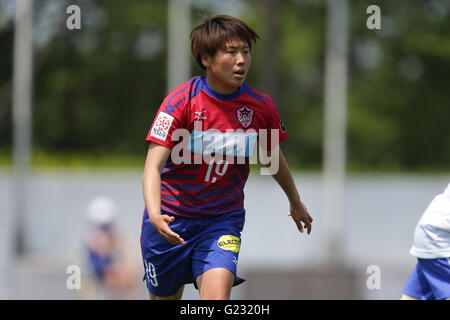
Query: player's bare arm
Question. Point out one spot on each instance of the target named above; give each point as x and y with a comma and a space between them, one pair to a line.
151, 182
298, 210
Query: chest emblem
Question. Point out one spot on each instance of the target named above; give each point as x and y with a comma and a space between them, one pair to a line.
199, 115
245, 116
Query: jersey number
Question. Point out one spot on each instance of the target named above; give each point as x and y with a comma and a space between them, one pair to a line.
151, 273
221, 168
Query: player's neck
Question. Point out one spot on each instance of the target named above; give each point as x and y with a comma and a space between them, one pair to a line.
219, 86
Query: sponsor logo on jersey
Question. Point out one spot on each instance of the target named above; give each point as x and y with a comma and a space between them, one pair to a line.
234, 144
245, 116
199, 115
229, 242
162, 125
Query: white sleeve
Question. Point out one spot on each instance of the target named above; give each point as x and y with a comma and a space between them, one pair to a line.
432, 234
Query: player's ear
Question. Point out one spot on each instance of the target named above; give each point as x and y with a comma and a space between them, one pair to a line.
206, 60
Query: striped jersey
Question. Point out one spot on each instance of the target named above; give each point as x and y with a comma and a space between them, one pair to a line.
212, 136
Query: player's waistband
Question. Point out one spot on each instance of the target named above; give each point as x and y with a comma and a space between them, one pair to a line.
234, 212
204, 212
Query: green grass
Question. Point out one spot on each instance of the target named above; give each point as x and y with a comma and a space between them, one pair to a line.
65, 160
43, 160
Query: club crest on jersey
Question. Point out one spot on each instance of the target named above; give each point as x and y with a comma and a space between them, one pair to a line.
245, 116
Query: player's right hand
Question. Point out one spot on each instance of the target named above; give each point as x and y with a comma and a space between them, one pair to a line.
161, 224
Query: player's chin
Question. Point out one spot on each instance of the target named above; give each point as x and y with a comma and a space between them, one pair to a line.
238, 80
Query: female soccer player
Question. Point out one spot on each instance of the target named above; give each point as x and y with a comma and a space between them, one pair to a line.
198, 162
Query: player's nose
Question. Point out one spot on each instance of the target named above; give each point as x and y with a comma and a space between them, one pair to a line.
240, 59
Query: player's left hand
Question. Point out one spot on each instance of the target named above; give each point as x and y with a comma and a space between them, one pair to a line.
301, 216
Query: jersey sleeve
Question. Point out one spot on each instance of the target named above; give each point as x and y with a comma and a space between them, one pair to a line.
169, 117
275, 126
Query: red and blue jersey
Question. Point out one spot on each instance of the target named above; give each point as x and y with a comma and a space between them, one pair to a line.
215, 124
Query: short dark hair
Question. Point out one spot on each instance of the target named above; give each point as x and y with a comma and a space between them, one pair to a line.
214, 33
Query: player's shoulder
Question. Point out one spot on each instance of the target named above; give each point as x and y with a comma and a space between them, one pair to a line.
263, 99
178, 97
188, 88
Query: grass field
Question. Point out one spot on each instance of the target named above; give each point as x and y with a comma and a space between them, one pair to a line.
73, 161
77, 160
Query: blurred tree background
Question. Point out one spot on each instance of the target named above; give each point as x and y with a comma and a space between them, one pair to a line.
97, 90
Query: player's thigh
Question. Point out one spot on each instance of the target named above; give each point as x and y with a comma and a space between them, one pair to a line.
167, 267
215, 284
218, 248
176, 296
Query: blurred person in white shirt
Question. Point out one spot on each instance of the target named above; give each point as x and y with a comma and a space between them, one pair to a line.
430, 279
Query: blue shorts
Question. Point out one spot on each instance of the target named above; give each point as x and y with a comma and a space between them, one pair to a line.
430, 280
211, 242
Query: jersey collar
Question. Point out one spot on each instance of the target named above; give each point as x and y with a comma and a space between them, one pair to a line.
222, 96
